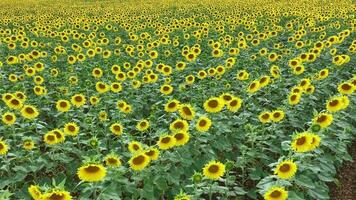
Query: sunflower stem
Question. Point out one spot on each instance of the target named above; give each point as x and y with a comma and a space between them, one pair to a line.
210, 191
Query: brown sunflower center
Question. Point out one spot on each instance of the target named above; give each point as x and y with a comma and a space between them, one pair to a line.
346, 87
284, 168
233, 103
138, 160
213, 103
29, 110
166, 140
275, 194
9, 117
179, 136
92, 169
213, 169
321, 119
301, 141
57, 196
63, 104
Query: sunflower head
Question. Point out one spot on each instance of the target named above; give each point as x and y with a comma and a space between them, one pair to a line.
214, 170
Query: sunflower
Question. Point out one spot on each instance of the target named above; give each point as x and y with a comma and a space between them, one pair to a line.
63, 105
35, 192
59, 135
213, 105
301, 142
294, 98
166, 89
3, 147
235, 104
139, 161
50, 138
116, 129
166, 142
226, 97
182, 196
57, 195
345, 102
264, 81
153, 153
253, 87
101, 87
323, 119
71, 128
171, 105
181, 138
143, 125
334, 104
277, 115
214, 170
97, 72
9, 118
116, 87
315, 141
286, 169
28, 144
78, 100
135, 147
29, 112
91, 172
103, 116
179, 125
346, 88
265, 117
186, 111
203, 124
14, 103
276, 193
112, 160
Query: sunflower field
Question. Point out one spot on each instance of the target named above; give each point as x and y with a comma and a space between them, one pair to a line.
175, 99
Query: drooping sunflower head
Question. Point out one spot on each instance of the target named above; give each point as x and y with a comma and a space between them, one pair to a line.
35, 192
91, 172
214, 170
57, 195
276, 193
286, 169
3, 147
